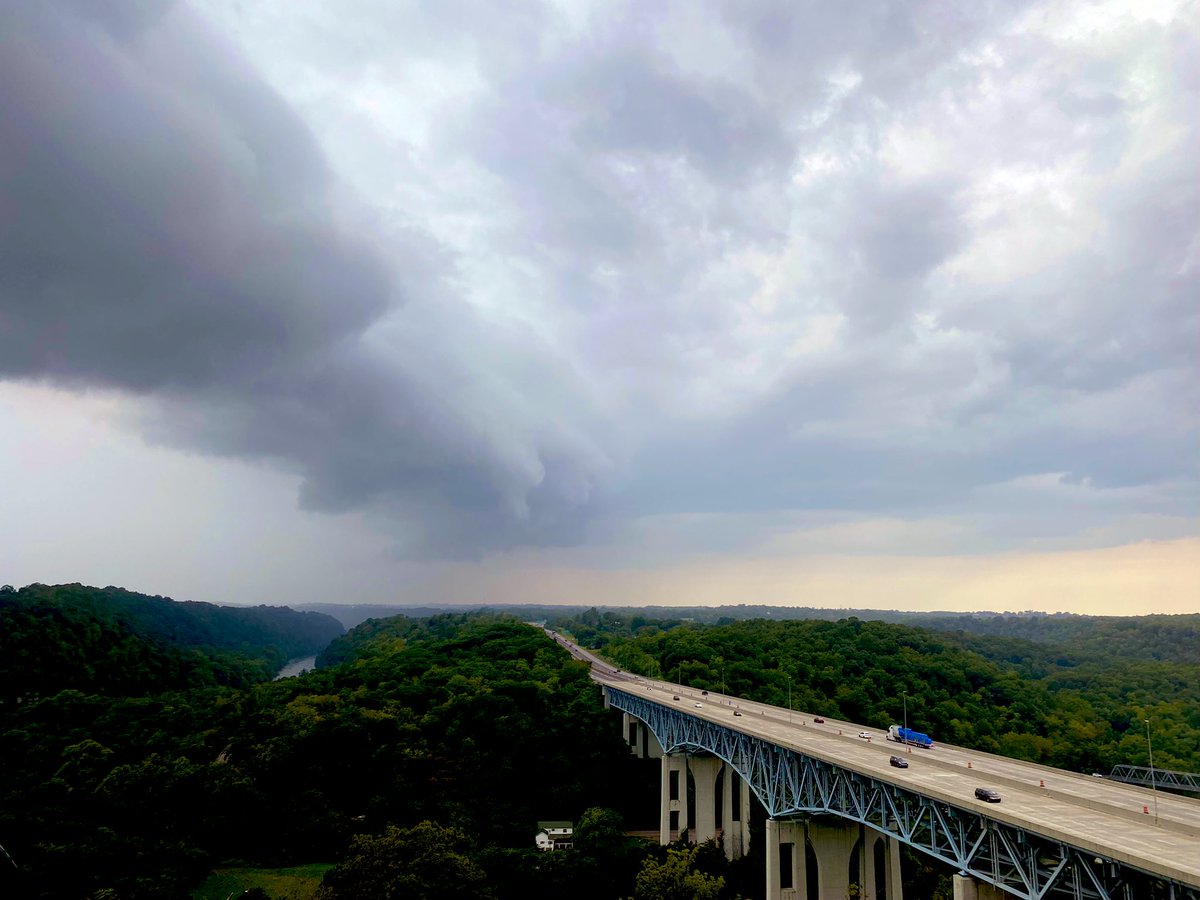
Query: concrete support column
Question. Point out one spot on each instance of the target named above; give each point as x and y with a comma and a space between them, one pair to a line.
833, 845
728, 777
640, 739
745, 789
882, 880
967, 888
704, 775
772, 838
894, 882
672, 763
747, 799
735, 831
787, 874
866, 862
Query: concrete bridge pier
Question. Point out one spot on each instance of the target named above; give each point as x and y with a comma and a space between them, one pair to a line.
673, 805
967, 888
889, 885
843, 854
735, 813
787, 862
641, 740
704, 775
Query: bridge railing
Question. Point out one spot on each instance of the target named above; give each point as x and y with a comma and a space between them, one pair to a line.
1159, 778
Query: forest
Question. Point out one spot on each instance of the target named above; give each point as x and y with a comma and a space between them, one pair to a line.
462, 731
144, 743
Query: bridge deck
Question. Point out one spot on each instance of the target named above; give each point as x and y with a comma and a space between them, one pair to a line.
1095, 814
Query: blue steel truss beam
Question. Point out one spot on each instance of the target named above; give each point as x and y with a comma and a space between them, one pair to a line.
790, 784
1163, 778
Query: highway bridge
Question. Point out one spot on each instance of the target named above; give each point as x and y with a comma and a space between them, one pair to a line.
1160, 778
835, 804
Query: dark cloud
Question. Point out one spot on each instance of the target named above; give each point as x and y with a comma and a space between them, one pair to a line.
633, 102
894, 45
169, 222
905, 233
641, 261
170, 229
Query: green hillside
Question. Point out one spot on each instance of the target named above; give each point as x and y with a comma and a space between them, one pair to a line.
113, 641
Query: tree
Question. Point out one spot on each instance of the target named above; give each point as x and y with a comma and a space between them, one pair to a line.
425, 862
676, 878
600, 834
607, 859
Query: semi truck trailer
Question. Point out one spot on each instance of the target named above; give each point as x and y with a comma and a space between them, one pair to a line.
902, 735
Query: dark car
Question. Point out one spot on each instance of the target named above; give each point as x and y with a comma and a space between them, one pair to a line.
899, 762
676, 697
987, 794
818, 720
704, 693
737, 712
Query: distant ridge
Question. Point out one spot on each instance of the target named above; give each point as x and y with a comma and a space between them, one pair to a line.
351, 614
1179, 633
101, 640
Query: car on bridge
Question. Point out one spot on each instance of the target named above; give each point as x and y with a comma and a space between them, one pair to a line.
865, 734
699, 706
987, 794
818, 720
899, 762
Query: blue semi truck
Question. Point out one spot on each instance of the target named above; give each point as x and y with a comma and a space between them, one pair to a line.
902, 735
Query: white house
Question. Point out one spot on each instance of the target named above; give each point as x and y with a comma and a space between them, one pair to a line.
554, 835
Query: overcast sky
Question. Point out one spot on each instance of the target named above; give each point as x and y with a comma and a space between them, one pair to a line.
876, 304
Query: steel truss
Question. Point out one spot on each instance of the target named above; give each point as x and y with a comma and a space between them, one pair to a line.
790, 784
1163, 778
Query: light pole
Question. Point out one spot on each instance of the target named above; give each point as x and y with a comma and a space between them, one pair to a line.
1153, 789
789, 678
904, 695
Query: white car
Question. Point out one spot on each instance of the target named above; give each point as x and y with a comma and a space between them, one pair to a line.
865, 734
699, 706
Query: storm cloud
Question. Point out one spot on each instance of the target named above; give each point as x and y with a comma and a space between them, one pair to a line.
530, 279
171, 229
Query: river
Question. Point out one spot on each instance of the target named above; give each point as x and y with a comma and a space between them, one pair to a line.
297, 666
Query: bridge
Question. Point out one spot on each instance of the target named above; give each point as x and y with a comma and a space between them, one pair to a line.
1163, 778
838, 810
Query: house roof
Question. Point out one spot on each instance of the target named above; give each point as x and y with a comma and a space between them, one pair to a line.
546, 826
